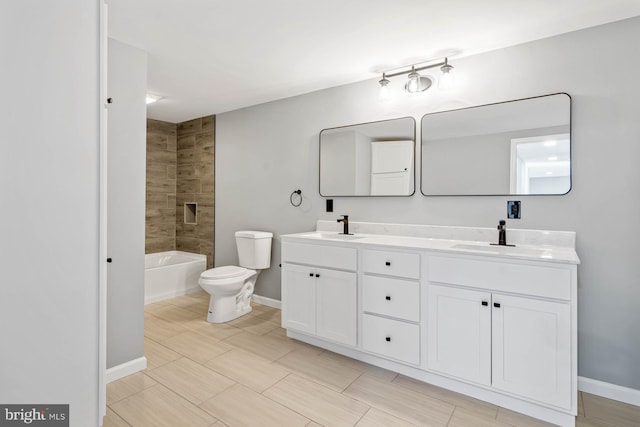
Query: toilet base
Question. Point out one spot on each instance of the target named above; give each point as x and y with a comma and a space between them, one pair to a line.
231, 297
225, 309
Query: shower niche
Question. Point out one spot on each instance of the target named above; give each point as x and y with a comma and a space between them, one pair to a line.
190, 213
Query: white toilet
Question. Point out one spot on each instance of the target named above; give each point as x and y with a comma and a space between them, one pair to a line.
231, 287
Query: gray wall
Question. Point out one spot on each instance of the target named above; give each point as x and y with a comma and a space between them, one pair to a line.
338, 160
266, 151
467, 165
473, 165
49, 196
127, 85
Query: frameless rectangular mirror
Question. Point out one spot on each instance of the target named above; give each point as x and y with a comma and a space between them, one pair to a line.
369, 159
516, 147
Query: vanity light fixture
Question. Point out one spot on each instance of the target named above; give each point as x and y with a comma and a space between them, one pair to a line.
416, 82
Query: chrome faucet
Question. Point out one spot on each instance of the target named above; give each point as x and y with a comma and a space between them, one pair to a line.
345, 223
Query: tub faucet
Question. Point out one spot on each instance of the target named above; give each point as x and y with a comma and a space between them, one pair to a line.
345, 223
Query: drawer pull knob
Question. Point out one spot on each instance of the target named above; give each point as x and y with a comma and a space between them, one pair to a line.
496, 304
387, 263
317, 275
485, 303
310, 274
388, 339
388, 298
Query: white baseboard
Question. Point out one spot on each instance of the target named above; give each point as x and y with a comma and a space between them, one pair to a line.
124, 369
269, 302
610, 391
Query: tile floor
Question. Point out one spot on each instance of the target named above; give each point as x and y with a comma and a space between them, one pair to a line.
248, 373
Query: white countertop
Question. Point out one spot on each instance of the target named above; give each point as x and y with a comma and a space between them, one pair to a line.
538, 252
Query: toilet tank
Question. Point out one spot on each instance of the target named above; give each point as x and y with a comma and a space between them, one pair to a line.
254, 249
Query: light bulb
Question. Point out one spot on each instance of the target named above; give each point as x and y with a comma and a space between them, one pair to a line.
446, 79
413, 85
383, 92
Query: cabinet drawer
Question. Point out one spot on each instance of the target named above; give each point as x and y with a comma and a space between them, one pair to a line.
538, 280
398, 264
391, 297
391, 338
320, 255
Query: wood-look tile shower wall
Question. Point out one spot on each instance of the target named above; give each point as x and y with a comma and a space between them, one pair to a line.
195, 174
160, 224
180, 169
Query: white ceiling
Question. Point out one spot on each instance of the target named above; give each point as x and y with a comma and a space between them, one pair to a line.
211, 56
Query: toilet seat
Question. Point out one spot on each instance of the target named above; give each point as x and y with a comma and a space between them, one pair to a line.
226, 272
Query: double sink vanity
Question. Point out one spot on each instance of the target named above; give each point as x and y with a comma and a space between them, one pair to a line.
444, 306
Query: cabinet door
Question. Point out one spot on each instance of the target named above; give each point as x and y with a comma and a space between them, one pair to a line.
299, 298
532, 349
391, 156
336, 305
459, 333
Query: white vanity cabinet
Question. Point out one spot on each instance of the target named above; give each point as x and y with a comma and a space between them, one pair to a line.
298, 298
512, 335
335, 298
391, 304
531, 349
318, 300
459, 333
495, 323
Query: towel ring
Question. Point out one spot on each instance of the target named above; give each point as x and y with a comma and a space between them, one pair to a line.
292, 196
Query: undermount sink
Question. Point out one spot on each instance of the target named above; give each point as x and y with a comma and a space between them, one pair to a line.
482, 248
339, 236
502, 250
333, 236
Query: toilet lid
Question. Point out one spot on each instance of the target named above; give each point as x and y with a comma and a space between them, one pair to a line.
225, 272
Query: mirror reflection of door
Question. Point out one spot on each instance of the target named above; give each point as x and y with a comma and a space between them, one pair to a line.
541, 164
391, 167
368, 159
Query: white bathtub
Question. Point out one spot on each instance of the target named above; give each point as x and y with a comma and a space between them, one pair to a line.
171, 274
